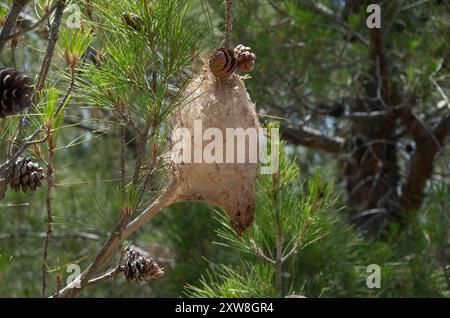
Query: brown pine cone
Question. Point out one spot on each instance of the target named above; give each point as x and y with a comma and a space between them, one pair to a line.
132, 20
15, 92
26, 174
245, 58
139, 268
222, 63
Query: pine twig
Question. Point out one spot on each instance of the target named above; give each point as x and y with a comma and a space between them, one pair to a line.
51, 182
122, 231
152, 131
123, 174
141, 152
109, 274
229, 24
10, 22
151, 165
14, 44
52, 39
260, 253
68, 92
34, 26
48, 200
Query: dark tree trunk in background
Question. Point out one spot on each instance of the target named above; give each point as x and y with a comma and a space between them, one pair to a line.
371, 170
377, 189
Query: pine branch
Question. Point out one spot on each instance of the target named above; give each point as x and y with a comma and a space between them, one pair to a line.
53, 38
428, 144
122, 231
260, 253
229, 23
48, 200
34, 26
313, 138
328, 14
108, 275
30, 141
10, 22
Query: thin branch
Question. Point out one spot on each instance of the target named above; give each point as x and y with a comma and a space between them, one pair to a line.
440, 90
299, 240
292, 251
48, 200
229, 24
14, 44
129, 121
29, 142
313, 138
370, 212
260, 253
78, 124
381, 82
150, 166
327, 13
108, 275
34, 26
279, 249
379, 114
414, 5
62, 235
52, 39
141, 151
122, 231
10, 21
338, 110
4, 179
68, 92
122, 158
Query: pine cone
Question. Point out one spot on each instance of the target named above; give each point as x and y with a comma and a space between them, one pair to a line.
27, 174
15, 92
132, 20
139, 268
222, 63
245, 58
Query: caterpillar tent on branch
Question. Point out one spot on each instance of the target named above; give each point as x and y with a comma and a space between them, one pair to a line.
218, 100
221, 103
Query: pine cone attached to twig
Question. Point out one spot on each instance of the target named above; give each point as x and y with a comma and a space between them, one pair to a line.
222, 63
15, 92
245, 58
139, 268
26, 174
132, 20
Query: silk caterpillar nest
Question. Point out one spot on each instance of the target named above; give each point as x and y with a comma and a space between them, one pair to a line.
218, 104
